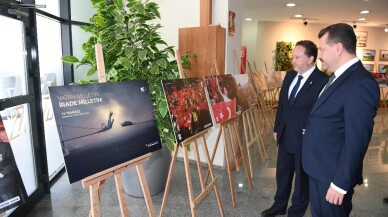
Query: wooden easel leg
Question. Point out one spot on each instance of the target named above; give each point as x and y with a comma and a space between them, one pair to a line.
210, 164
188, 180
214, 151
228, 169
198, 160
94, 201
243, 155
234, 147
121, 195
168, 183
259, 139
146, 192
247, 125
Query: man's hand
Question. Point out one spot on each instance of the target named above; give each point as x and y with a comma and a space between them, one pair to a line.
1, 175
334, 197
275, 136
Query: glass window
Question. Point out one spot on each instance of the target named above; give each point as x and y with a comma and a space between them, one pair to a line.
17, 125
51, 74
52, 6
13, 68
79, 37
82, 10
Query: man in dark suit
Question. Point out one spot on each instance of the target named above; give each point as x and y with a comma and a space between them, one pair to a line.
340, 124
297, 96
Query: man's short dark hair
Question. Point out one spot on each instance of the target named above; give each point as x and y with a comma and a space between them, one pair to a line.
341, 33
310, 48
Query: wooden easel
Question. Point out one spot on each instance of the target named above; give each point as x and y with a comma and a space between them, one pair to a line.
96, 182
232, 126
252, 136
251, 131
206, 189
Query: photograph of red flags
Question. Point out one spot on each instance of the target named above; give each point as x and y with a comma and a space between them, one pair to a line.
222, 91
188, 107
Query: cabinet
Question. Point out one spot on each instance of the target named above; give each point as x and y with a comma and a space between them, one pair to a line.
208, 43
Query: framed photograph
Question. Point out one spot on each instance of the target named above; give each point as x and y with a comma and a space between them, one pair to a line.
231, 23
368, 55
362, 37
100, 127
383, 55
369, 67
188, 107
383, 68
222, 91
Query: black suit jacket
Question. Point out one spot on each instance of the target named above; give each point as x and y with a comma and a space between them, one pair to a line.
290, 120
340, 127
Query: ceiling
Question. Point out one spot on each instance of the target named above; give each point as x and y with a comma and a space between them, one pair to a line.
319, 11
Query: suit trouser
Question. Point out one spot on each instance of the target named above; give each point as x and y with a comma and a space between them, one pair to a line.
287, 165
320, 207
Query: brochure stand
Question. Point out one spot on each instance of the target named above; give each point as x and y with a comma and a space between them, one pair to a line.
205, 189
238, 153
96, 182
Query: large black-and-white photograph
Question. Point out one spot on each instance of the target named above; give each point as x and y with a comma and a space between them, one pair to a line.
103, 125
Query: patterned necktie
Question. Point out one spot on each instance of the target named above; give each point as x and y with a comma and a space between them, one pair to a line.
331, 78
294, 90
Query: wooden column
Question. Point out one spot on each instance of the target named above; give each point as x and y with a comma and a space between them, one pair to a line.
205, 13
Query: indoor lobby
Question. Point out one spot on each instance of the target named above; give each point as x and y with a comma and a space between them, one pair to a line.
73, 200
40, 33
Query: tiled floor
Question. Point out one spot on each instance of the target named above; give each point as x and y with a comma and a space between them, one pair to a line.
72, 200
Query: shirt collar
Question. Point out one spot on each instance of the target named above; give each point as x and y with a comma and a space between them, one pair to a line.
344, 67
308, 73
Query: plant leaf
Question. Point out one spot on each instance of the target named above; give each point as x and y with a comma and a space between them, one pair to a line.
70, 59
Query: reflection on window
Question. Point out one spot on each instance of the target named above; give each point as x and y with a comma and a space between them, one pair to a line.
82, 10
12, 56
79, 37
51, 74
17, 125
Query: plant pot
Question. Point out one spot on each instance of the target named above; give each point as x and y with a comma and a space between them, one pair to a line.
155, 170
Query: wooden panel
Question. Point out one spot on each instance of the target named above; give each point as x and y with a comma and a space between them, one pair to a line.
205, 13
208, 43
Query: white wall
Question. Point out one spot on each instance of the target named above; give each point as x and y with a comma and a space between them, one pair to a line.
261, 47
177, 14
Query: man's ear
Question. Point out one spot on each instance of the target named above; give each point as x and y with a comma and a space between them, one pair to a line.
310, 59
339, 48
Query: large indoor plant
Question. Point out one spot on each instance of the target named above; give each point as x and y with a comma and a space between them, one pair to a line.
133, 50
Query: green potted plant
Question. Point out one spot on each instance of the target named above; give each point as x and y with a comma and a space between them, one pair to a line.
133, 50
283, 56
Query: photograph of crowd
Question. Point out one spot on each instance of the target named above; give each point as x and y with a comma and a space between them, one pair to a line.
222, 91
188, 107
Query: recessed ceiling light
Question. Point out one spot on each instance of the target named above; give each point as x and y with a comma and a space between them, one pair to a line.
291, 5
364, 12
298, 15
248, 19
361, 19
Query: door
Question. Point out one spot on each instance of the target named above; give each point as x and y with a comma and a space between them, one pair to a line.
19, 105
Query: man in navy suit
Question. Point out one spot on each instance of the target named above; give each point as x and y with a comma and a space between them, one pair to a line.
340, 125
297, 96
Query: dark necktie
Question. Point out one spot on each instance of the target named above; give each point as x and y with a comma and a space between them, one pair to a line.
294, 90
331, 78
